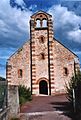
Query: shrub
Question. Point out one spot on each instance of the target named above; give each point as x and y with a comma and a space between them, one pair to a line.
14, 118
24, 94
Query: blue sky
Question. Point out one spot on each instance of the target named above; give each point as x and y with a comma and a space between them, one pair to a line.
14, 24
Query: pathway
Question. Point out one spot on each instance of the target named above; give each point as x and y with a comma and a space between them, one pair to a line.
46, 108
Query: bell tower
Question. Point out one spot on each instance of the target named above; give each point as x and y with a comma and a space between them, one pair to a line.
41, 39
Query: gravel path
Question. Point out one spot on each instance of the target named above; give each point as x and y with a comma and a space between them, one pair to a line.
46, 108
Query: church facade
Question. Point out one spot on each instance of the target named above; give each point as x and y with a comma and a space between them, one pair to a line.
43, 64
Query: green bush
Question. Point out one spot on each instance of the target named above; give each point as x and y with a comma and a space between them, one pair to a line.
75, 85
24, 94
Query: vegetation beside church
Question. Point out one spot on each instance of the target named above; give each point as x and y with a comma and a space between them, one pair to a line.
24, 94
2, 79
74, 96
3, 92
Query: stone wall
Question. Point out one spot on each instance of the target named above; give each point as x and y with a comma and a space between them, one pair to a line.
19, 60
13, 100
62, 58
41, 65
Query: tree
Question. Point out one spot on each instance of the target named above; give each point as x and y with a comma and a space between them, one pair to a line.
74, 95
2, 79
3, 92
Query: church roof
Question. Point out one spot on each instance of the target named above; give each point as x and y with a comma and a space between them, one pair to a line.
41, 12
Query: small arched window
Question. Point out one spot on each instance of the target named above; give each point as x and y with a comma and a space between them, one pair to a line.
41, 39
44, 23
42, 55
37, 23
20, 74
65, 71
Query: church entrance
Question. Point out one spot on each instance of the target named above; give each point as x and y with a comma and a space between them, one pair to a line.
43, 87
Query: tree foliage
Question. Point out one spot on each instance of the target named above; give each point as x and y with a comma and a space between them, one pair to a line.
3, 92
2, 79
75, 84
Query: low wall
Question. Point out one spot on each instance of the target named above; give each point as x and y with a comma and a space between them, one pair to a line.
13, 100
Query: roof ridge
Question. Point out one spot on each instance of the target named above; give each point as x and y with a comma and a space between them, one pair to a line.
41, 11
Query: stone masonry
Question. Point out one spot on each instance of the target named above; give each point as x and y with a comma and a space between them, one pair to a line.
43, 63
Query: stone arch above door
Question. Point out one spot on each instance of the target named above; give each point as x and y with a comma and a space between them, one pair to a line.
43, 78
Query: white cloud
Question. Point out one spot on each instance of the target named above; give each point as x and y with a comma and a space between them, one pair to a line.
20, 2
13, 21
32, 7
75, 35
14, 24
77, 52
67, 21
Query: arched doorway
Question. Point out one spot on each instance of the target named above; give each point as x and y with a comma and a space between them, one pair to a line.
43, 87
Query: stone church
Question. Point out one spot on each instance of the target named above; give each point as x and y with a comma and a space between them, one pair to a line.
43, 64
